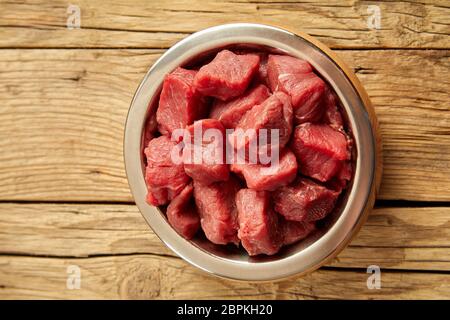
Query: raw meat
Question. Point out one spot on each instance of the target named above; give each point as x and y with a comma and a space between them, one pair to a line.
165, 179
150, 130
277, 201
230, 112
217, 209
179, 103
320, 150
316, 164
258, 223
331, 115
304, 201
204, 160
273, 113
296, 78
182, 215
227, 76
279, 66
340, 181
294, 231
261, 76
260, 177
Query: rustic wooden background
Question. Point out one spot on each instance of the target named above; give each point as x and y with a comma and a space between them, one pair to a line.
64, 198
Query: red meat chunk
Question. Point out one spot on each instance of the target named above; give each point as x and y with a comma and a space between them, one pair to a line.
261, 76
305, 200
204, 160
182, 214
296, 78
273, 113
179, 103
151, 126
320, 150
346, 172
331, 115
227, 76
165, 178
340, 181
281, 66
260, 177
258, 223
217, 209
230, 112
316, 165
294, 231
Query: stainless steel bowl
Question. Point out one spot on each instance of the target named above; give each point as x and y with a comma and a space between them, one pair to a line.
338, 228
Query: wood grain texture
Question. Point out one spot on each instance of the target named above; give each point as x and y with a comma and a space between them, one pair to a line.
392, 238
412, 103
154, 277
159, 24
63, 113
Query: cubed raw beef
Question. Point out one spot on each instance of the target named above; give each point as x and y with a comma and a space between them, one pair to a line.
294, 231
269, 177
320, 150
346, 171
165, 179
296, 78
182, 214
204, 156
217, 209
305, 200
228, 75
258, 223
230, 112
344, 175
179, 103
151, 126
331, 115
316, 164
261, 76
274, 113
259, 95
279, 66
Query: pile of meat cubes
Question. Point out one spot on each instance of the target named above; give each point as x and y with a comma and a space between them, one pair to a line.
240, 203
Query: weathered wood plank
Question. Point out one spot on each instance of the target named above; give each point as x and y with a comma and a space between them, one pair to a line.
414, 115
149, 277
159, 24
63, 112
392, 238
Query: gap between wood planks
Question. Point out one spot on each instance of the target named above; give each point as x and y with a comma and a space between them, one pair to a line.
378, 203
166, 48
177, 258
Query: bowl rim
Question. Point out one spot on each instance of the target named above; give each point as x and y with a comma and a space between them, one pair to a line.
360, 116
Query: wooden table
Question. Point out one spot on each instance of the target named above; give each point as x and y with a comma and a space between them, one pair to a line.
64, 198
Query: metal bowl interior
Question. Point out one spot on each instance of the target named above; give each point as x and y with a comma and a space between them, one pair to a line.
338, 228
